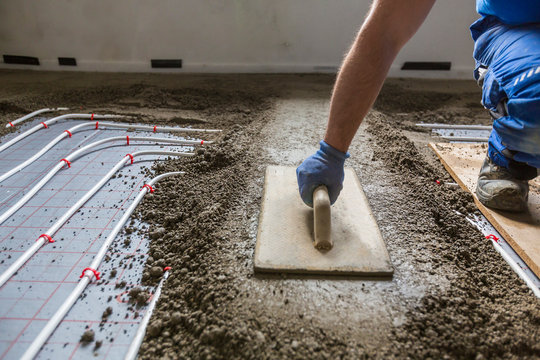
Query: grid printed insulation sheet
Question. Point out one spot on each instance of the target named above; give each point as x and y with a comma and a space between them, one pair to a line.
31, 296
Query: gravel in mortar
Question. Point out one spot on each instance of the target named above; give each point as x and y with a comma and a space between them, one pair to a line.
452, 295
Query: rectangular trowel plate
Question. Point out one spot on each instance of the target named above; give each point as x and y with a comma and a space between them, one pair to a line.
285, 233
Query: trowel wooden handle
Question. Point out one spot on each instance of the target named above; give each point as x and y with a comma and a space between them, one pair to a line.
322, 223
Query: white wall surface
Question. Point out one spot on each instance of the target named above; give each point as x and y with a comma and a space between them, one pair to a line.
219, 35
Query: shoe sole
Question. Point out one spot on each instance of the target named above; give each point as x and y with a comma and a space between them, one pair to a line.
506, 199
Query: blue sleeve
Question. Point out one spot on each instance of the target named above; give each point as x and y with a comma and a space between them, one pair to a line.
511, 12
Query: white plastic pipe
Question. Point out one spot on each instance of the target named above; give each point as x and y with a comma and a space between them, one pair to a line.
40, 153
465, 138
135, 345
455, 127
88, 275
44, 238
156, 128
71, 131
77, 154
32, 114
45, 124
513, 264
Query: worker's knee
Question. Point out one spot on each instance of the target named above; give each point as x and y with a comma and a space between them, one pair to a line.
519, 125
516, 112
507, 150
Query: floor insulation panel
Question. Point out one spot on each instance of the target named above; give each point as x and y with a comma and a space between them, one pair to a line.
32, 295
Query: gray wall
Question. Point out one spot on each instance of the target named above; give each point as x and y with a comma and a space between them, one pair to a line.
218, 35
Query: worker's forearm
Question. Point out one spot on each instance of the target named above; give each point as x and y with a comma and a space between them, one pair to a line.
358, 84
388, 27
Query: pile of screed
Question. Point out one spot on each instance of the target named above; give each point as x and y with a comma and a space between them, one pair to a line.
485, 311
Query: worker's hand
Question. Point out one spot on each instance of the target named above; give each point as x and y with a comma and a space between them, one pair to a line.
325, 167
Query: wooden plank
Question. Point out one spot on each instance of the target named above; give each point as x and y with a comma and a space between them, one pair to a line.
520, 230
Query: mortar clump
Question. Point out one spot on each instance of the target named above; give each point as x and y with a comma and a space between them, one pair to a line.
108, 311
138, 296
155, 327
156, 271
87, 337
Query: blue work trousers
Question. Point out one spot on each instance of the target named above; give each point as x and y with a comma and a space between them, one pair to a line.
508, 68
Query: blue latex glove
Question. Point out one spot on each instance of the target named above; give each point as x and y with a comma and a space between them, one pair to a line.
325, 167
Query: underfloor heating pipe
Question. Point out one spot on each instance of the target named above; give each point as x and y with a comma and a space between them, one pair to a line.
47, 235
455, 127
513, 264
71, 131
34, 113
466, 138
89, 275
45, 124
135, 345
76, 154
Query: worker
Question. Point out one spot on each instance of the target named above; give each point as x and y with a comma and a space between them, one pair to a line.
507, 54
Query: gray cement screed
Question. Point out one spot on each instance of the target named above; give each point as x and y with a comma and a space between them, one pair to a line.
31, 296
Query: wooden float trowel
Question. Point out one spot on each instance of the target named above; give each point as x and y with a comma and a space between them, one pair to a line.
342, 239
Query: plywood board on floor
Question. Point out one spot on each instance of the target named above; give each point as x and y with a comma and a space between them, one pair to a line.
521, 231
285, 232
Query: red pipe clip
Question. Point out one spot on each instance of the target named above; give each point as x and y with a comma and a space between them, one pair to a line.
96, 274
67, 162
97, 125
92, 117
155, 128
48, 237
493, 237
167, 268
10, 124
438, 182
69, 132
44, 125
150, 188
131, 157
127, 139
202, 142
